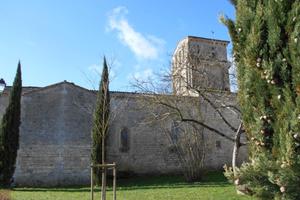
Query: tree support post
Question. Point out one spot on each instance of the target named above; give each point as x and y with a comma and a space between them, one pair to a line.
114, 182
104, 168
92, 184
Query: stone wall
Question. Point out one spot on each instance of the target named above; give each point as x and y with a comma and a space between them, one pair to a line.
55, 135
148, 146
149, 142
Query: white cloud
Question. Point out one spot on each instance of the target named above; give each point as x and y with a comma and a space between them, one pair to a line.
112, 74
145, 74
95, 68
143, 46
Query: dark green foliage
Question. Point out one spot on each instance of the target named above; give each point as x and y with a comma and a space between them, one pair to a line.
9, 131
101, 123
266, 48
233, 2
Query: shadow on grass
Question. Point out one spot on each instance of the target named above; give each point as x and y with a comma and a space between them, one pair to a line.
215, 179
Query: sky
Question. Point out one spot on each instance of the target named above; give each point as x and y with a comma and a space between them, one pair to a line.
58, 40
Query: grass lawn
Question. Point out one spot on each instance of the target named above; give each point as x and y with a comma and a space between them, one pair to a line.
213, 187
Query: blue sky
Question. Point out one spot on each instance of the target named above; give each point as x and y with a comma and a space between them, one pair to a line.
60, 40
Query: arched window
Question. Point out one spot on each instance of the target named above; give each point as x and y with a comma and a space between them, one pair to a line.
175, 130
124, 140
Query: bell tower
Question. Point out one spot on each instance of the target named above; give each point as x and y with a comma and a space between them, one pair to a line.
200, 63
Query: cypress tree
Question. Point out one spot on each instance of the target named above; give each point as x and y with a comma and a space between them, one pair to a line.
9, 131
266, 49
101, 122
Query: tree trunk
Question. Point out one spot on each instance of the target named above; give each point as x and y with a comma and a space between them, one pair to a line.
240, 189
236, 148
103, 188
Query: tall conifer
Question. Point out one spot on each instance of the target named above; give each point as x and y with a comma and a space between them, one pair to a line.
9, 131
101, 122
266, 47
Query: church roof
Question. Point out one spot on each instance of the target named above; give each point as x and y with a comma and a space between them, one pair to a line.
208, 39
31, 89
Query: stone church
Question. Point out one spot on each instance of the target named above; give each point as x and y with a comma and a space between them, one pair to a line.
55, 133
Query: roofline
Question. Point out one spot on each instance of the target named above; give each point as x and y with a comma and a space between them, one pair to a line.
136, 93
33, 87
56, 84
208, 39
38, 88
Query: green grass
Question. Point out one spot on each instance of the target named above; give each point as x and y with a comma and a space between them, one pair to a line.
213, 187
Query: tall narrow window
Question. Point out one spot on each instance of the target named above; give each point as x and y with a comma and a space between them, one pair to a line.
124, 140
175, 130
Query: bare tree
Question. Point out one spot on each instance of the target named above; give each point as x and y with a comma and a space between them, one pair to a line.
188, 142
194, 87
186, 139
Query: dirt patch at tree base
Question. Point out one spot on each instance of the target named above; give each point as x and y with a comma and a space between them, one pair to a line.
4, 195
